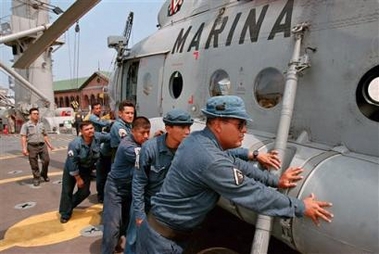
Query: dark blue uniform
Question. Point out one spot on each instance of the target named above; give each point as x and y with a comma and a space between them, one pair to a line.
200, 172
103, 164
81, 159
155, 161
119, 130
98, 123
118, 193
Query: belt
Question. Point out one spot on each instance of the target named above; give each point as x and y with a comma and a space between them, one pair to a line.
37, 144
169, 233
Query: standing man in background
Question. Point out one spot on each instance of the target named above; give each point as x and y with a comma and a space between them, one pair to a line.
78, 120
123, 124
34, 142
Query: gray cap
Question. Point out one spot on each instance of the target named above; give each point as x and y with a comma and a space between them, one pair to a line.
228, 106
177, 117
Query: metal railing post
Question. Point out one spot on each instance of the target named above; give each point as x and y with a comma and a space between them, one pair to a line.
264, 223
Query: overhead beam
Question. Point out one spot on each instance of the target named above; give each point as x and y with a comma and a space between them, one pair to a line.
12, 37
62, 24
24, 82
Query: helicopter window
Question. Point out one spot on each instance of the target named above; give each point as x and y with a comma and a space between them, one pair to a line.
367, 94
373, 90
219, 83
269, 87
176, 84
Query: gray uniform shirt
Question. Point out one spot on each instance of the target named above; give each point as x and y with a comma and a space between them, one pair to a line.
34, 132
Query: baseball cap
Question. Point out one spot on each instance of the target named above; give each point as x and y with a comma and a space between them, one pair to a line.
228, 106
177, 117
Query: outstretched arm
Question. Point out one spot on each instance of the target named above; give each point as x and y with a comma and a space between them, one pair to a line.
269, 160
289, 177
314, 209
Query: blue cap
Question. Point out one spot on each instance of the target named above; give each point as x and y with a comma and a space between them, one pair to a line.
228, 106
177, 117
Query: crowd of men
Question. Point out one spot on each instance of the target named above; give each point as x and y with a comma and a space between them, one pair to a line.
156, 191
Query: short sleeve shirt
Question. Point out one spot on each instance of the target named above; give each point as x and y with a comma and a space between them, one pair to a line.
34, 132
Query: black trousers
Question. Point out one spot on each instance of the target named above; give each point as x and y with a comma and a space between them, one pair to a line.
38, 151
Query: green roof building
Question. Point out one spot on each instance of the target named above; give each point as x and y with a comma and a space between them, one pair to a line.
80, 93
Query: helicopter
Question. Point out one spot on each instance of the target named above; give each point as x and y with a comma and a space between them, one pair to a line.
309, 76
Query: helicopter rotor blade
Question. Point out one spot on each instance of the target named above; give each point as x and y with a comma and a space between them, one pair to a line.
64, 22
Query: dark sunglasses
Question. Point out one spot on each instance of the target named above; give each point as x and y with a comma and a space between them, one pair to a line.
240, 125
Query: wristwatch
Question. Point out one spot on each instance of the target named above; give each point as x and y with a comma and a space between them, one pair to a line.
255, 154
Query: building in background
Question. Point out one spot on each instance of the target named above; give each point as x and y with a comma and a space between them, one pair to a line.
80, 93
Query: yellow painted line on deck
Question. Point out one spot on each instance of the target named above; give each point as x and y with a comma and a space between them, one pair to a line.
45, 229
15, 179
11, 156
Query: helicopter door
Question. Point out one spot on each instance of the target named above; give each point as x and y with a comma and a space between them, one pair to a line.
150, 75
129, 90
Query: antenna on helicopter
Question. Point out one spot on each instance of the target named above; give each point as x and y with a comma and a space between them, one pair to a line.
120, 43
128, 27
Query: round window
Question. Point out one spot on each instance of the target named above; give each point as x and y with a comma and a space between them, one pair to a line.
176, 85
219, 83
373, 91
269, 87
367, 94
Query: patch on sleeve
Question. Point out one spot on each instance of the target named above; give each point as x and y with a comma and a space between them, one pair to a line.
70, 153
137, 152
122, 133
238, 176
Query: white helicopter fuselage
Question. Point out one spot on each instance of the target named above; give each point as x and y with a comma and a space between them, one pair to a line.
208, 48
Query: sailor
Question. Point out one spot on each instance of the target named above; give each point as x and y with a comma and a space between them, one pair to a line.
157, 153
34, 142
118, 187
95, 117
202, 171
78, 120
82, 153
123, 124
155, 158
103, 165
